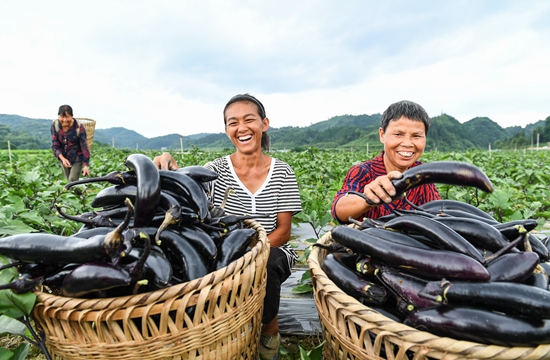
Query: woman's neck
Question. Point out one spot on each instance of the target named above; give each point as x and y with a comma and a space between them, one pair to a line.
249, 161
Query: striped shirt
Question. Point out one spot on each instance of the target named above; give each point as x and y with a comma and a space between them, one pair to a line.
362, 174
279, 193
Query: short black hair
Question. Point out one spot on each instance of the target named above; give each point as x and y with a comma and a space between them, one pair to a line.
65, 109
407, 109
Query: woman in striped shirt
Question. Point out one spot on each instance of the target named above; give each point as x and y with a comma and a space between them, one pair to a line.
403, 130
263, 186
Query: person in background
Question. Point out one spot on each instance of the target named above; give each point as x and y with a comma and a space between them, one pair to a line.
262, 185
69, 144
403, 129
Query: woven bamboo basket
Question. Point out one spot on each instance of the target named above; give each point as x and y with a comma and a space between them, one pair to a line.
225, 323
89, 126
355, 331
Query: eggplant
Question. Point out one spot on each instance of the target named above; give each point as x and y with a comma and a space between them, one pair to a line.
404, 286
58, 249
442, 172
52, 249
233, 246
200, 240
157, 266
188, 188
93, 277
114, 196
414, 212
536, 246
443, 205
22, 284
200, 174
477, 232
352, 283
465, 214
513, 267
399, 237
443, 235
510, 298
56, 279
115, 178
539, 280
482, 326
510, 228
433, 264
188, 259
95, 221
148, 188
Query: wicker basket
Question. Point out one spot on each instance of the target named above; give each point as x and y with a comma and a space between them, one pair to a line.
355, 331
225, 324
89, 126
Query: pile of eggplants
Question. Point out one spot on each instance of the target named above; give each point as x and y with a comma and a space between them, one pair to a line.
150, 229
448, 268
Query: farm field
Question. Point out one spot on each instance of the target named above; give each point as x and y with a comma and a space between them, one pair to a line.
33, 185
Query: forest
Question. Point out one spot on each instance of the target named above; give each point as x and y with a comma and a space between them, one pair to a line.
342, 132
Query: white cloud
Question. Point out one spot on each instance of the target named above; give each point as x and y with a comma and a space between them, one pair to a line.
169, 66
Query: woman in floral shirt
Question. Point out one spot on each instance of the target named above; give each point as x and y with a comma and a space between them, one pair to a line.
69, 144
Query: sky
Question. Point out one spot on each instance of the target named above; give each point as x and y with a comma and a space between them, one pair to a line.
162, 67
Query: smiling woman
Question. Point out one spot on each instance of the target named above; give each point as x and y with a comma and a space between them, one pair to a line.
263, 186
403, 130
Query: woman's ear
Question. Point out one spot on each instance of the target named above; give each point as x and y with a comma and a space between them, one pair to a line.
265, 124
381, 133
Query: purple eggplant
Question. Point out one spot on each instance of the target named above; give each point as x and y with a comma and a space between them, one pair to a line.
513, 267
482, 326
353, 284
443, 235
509, 298
405, 287
433, 264
93, 277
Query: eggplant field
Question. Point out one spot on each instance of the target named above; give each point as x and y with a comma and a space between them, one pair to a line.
33, 184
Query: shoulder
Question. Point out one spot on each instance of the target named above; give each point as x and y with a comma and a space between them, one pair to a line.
217, 163
282, 166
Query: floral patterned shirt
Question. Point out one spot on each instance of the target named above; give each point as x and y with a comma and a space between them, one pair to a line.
72, 144
362, 174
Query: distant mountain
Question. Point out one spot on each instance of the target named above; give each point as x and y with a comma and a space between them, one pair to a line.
345, 131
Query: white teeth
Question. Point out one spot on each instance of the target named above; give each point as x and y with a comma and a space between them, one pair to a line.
405, 153
244, 138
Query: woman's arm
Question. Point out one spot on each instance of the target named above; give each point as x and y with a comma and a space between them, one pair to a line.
281, 234
379, 191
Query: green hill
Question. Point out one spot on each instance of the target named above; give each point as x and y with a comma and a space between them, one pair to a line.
338, 132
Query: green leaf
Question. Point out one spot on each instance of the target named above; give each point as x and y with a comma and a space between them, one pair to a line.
302, 289
5, 354
303, 354
12, 326
16, 305
31, 177
317, 352
15, 227
21, 351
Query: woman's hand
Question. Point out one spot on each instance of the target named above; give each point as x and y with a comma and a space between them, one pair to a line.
86, 170
165, 161
64, 161
381, 189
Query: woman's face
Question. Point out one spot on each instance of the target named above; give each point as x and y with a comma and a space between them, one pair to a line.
404, 142
244, 126
65, 120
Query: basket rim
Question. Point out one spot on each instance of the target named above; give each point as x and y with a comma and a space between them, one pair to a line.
63, 303
394, 330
